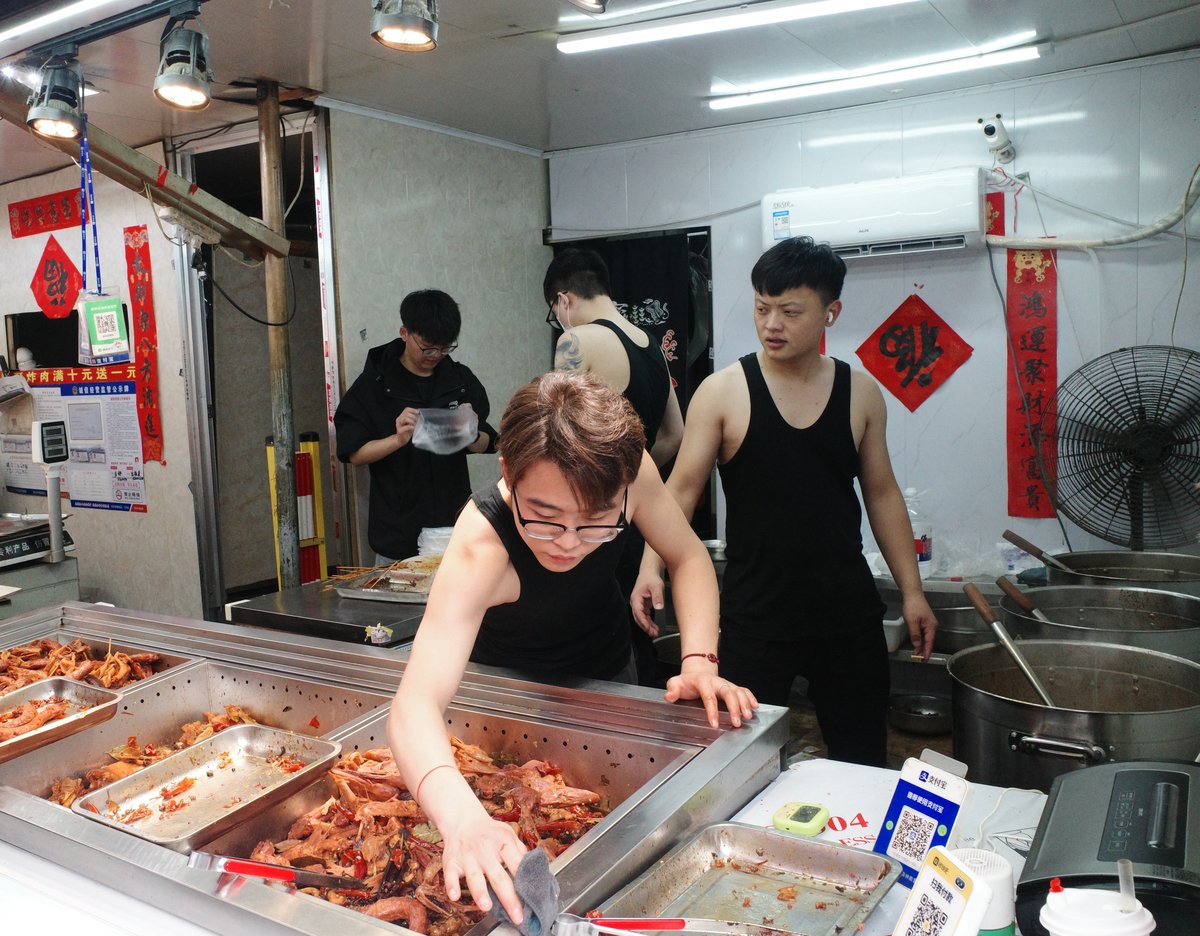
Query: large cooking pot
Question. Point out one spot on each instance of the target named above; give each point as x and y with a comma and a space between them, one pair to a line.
1175, 572
1112, 703
958, 629
1134, 617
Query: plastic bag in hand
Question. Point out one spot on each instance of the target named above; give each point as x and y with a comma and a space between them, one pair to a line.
446, 431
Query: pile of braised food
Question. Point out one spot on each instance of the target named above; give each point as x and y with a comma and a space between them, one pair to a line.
42, 659
374, 833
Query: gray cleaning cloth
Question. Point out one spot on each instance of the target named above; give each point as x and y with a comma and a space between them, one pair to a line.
538, 889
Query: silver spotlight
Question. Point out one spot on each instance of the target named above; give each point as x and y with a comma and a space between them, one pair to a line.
410, 25
56, 107
184, 79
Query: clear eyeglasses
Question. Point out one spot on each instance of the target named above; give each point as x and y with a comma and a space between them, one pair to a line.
589, 533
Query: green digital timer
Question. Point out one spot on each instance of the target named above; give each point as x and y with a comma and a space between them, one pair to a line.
801, 818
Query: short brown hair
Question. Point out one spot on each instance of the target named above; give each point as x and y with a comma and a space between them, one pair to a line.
581, 426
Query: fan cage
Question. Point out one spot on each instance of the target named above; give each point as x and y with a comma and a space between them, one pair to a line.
1120, 447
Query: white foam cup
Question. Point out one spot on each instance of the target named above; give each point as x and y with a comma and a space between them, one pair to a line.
1081, 911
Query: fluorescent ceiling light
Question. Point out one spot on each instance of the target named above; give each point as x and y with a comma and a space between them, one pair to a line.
874, 80
703, 24
723, 88
48, 19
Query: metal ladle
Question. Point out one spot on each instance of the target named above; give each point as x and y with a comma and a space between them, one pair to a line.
985, 611
1022, 600
1021, 543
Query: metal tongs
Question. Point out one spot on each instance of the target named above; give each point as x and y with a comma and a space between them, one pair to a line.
263, 869
568, 924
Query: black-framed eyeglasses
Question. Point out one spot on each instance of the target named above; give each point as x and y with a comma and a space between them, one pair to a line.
433, 351
589, 533
552, 317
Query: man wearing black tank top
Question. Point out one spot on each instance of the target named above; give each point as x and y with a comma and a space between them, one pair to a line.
597, 339
790, 430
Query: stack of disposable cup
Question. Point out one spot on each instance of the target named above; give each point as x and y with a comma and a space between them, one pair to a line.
1084, 911
1000, 917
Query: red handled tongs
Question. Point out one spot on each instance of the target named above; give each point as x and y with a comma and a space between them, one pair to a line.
568, 924
263, 869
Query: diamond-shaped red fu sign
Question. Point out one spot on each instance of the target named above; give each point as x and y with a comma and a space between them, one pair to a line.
913, 352
57, 282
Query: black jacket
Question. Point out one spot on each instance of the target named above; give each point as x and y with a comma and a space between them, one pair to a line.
410, 488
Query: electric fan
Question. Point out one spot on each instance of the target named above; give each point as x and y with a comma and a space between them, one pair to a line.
1121, 447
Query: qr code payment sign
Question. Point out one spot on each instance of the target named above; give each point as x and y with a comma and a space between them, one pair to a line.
928, 920
912, 837
106, 326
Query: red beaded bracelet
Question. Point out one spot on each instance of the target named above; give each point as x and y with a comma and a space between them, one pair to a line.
417, 795
711, 657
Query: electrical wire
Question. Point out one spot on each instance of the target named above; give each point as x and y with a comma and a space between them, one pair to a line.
300, 188
979, 836
254, 318
157, 219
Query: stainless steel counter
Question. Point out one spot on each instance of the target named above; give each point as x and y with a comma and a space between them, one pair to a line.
708, 777
318, 610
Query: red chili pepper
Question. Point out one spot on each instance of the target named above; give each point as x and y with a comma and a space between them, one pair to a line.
352, 856
314, 723
354, 893
558, 827
509, 815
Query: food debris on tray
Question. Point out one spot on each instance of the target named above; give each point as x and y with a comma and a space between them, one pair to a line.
45, 658
374, 831
132, 757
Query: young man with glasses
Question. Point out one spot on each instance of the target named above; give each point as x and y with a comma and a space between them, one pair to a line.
529, 583
790, 431
411, 488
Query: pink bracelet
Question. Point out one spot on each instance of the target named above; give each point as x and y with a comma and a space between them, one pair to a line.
417, 795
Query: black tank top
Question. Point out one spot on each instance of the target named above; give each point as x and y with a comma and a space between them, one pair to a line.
649, 380
572, 623
793, 529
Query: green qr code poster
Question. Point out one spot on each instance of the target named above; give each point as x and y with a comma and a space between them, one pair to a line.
105, 320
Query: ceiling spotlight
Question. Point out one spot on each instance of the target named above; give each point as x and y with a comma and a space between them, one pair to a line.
590, 6
184, 79
409, 25
55, 108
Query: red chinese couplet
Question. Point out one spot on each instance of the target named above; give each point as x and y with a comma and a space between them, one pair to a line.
45, 213
1031, 311
145, 340
57, 281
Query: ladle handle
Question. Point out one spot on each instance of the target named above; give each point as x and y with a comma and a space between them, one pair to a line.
1020, 599
1036, 551
975, 596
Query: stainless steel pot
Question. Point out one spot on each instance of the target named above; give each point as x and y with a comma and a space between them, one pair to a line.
1113, 704
1133, 617
1175, 572
958, 629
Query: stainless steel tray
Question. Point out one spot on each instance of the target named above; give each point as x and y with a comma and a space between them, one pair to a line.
99, 648
745, 873
228, 777
86, 705
394, 583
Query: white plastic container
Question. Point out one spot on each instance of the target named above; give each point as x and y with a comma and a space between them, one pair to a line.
1078, 911
922, 532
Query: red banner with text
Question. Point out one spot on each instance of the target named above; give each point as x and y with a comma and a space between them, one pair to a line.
145, 340
1031, 309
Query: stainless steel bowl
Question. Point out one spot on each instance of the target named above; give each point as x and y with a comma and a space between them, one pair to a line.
920, 714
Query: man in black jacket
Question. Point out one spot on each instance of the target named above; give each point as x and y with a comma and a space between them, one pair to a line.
411, 488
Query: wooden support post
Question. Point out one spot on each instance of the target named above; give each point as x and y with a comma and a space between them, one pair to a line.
270, 150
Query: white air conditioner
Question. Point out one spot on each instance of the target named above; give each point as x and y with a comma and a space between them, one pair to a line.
932, 211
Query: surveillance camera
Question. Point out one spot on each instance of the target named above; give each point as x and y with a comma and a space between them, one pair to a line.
997, 138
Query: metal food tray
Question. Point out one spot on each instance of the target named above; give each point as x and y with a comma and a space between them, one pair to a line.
356, 589
100, 648
235, 776
86, 706
744, 873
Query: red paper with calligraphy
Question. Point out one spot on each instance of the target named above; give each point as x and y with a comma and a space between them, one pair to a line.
1031, 310
145, 340
45, 213
56, 284
913, 352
